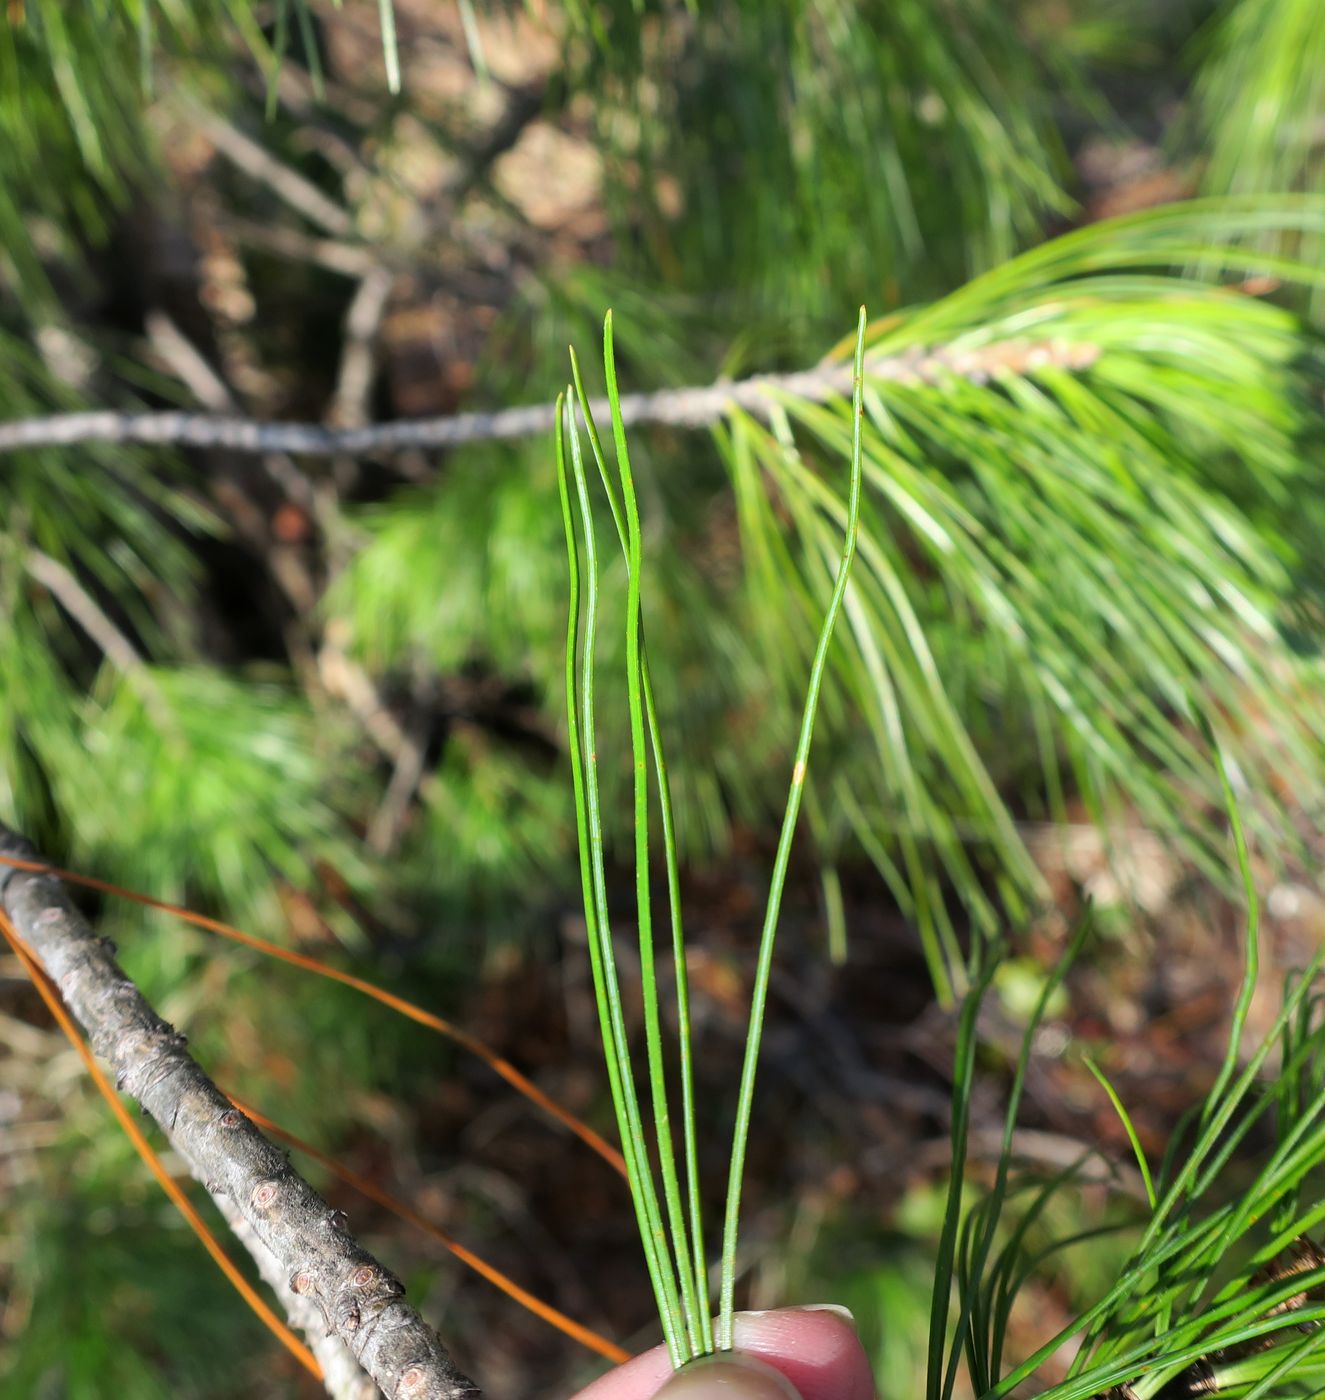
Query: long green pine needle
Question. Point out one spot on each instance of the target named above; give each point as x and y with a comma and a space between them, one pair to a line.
692, 1268
581, 725
763, 969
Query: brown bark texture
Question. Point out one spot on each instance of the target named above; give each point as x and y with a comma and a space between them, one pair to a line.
356, 1298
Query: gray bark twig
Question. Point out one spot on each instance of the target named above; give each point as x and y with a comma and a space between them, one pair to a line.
342, 1376
353, 1297
348, 259
183, 358
384, 829
358, 361
259, 164
681, 408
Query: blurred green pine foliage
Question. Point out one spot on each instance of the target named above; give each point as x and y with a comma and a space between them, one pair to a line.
1093, 465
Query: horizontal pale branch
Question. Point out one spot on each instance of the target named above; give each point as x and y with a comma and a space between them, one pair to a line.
356, 1299
682, 408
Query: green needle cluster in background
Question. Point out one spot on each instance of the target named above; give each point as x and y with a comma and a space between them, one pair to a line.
339, 700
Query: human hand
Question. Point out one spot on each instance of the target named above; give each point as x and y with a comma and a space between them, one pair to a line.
791, 1354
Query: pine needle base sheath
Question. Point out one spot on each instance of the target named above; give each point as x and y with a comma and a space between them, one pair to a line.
356, 1298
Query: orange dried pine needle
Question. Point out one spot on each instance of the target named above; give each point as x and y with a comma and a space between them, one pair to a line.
584, 1335
476, 1047
49, 994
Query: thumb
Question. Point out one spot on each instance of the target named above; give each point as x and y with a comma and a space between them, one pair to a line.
728, 1376
809, 1353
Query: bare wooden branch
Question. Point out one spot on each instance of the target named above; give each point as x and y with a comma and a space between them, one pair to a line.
358, 361
406, 776
681, 408
356, 1299
192, 369
342, 1376
256, 161
347, 259
183, 358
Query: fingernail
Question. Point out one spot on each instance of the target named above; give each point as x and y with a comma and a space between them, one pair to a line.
728, 1376
837, 1309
